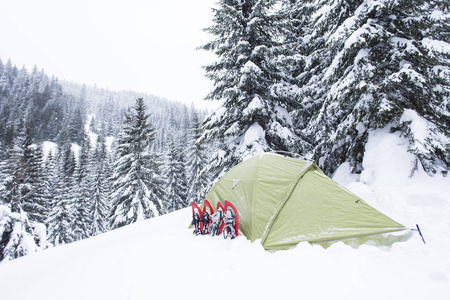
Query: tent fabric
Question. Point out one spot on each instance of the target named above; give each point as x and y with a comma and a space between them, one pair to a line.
284, 201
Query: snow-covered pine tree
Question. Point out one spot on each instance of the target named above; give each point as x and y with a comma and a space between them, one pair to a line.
300, 59
14, 169
251, 119
138, 186
50, 183
3, 171
38, 94
34, 204
19, 236
175, 172
196, 161
18, 99
369, 65
53, 112
99, 188
23, 187
76, 123
81, 193
61, 216
7, 79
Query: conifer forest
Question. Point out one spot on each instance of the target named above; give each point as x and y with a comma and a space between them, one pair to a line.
300, 78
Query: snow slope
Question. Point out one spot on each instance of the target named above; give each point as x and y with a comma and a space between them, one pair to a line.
161, 258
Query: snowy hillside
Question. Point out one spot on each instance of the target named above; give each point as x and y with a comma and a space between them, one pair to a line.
160, 258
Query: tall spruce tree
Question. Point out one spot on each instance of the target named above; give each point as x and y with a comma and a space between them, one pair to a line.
81, 193
51, 177
300, 57
252, 119
24, 187
3, 171
35, 203
366, 65
61, 217
99, 188
196, 161
138, 186
175, 173
14, 187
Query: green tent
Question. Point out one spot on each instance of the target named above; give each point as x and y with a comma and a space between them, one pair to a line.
284, 201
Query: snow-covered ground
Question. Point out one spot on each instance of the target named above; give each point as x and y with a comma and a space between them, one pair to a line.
161, 258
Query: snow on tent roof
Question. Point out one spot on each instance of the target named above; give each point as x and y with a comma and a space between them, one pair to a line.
284, 201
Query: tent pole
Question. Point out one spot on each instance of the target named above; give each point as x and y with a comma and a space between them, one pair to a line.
420, 232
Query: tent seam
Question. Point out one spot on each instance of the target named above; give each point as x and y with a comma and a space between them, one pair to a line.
255, 180
284, 199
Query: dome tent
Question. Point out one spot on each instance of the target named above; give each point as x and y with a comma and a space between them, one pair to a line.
284, 201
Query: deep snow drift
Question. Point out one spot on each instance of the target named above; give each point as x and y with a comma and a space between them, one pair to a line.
161, 258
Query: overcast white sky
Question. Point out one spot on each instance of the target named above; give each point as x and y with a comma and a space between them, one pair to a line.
140, 45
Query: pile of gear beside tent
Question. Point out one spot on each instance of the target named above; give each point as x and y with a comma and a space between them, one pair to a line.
284, 201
